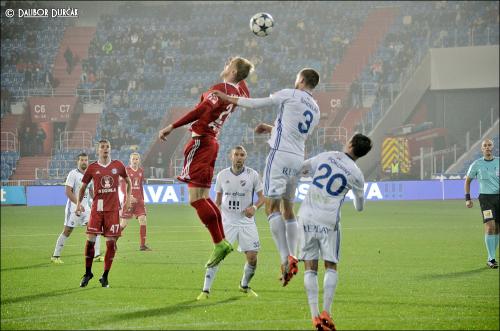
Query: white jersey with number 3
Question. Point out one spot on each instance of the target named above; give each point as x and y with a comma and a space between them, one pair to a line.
333, 175
237, 194
298, 115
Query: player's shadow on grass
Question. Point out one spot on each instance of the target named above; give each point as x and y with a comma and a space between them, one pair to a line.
40, 296
456, 274
169, 310
33, 266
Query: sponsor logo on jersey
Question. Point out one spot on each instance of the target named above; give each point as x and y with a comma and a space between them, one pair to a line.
107, 181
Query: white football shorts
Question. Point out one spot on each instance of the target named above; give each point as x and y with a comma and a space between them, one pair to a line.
319, 241
71, 220
246, 235
281, 174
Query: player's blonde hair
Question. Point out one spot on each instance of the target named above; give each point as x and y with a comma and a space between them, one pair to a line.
135, 153
243, 66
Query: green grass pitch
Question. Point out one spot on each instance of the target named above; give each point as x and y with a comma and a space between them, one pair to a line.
404, 266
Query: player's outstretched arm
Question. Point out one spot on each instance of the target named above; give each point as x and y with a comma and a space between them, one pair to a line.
247, 102
162, 135
263, 128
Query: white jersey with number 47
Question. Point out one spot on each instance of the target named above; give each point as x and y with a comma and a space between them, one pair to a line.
333, 175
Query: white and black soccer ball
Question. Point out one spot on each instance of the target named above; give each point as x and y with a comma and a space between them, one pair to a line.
261, 24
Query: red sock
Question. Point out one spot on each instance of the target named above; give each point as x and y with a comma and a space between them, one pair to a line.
208, 216
110, 254
89, 253
219, 217
142, 231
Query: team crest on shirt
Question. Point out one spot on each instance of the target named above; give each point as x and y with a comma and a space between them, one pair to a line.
107, 181
113, 171
243, 182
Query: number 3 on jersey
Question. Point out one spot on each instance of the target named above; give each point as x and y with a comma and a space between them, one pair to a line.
304, 127
331, 179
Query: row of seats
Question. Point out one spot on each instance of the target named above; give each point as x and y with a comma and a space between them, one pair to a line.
442, 33
9, 160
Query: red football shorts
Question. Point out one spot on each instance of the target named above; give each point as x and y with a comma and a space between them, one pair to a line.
136, 209
106, 223
200, 154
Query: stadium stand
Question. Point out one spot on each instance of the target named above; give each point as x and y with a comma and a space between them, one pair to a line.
148, 65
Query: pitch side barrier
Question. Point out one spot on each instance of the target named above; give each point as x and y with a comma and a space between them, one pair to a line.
178, 193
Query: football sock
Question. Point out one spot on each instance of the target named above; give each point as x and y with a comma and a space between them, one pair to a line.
208, 216
89, 255
496, 241
110, 254
329, 286
210, 277
278, 231
292, 232
97, 246
142, 233
219, 216
490, 241
311, 285
59, 244
248, 272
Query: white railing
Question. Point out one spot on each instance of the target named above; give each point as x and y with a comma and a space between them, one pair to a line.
45, 173
90, 94
333, 132
9, 142
70, 140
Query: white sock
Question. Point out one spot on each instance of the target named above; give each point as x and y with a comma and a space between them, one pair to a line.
311, 286
292, 232
278, 230
248, 272
59, 244
209, 278
97, 246
329, 286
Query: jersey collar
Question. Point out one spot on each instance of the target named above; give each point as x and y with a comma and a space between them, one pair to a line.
349, 156
236, 174
104, 165
235, 86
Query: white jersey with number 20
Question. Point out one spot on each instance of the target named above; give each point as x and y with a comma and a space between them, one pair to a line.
333, 175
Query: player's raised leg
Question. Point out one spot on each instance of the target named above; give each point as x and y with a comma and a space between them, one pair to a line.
208, 213
291, 227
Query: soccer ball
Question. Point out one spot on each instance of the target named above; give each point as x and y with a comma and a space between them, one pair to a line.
261, 24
